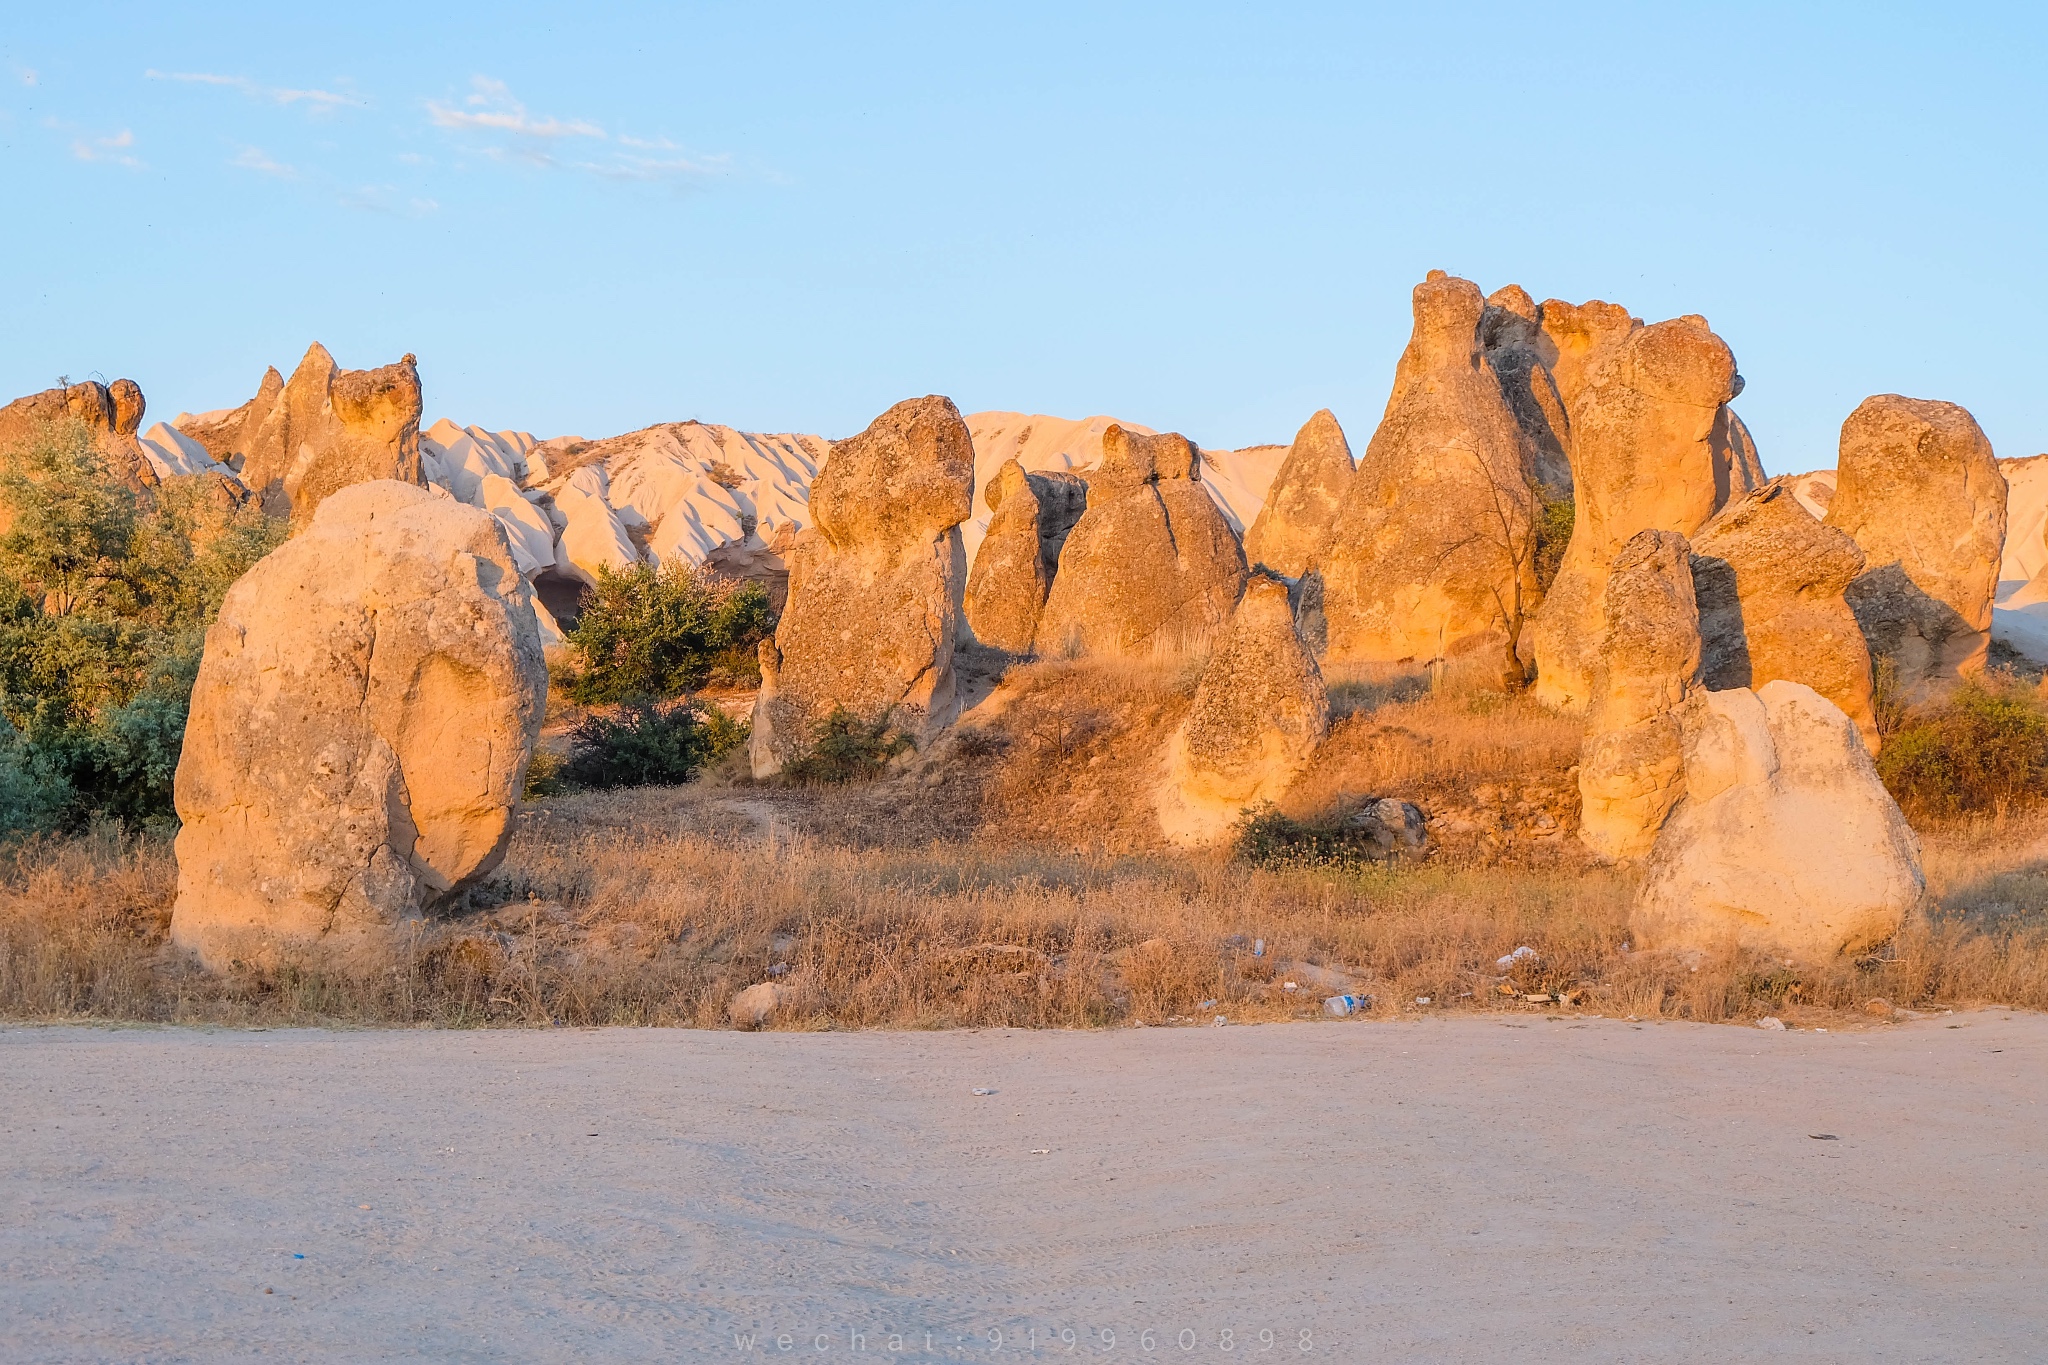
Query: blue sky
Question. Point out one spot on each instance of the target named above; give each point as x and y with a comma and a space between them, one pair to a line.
787, 218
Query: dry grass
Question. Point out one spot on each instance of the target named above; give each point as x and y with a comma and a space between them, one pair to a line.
1011, 876
655, 907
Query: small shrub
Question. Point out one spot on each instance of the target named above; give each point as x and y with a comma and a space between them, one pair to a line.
1886, 707
647, 745
845, 748
661, 632
1554, 520
544, 776
1985, 749
1264, 837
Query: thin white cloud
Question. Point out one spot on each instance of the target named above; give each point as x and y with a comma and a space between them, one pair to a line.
623, 167
320, 101
114, 150
260, 161
490, 107
387, 199
543, 142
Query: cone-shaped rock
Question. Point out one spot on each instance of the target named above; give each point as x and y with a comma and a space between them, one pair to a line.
875, 585
1152, 564
1260, 710
1432, 552
1293, 526
1019, 555
364, 713
1629, 766
1769, 580
1917, 487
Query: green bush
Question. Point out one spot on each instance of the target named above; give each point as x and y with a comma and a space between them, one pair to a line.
105, 596
647, 744
1554, 521
845, 748
661, 632
1264, 837
1985, 749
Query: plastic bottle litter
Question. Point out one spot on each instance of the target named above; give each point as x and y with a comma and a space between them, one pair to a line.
1258, 947
1343, 1006
983, 1090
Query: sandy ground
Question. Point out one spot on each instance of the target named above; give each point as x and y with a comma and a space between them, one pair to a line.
1473, 1189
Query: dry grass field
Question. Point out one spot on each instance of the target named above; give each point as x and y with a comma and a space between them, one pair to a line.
1010, 876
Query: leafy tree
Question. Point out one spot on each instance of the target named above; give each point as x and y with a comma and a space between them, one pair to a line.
105, 597
661, 632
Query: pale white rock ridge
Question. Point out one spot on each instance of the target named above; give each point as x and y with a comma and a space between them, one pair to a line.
173, 454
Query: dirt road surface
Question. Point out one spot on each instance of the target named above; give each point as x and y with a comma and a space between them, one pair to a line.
1464, 1189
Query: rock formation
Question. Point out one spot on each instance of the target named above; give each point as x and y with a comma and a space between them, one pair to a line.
711, 495
1815, 491
592, 534
112, 413
1769, 580
1294, 523
1629, 764
364, 713
1152, 564
1433, 549
755, 1006
1019, 557
1786, 843
1653, 447
2026, 521
1259, 712
1576, 338
1511, 334
1235, 480
326, 428
2019, 618
1919, 490
875, 593
1386, 827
